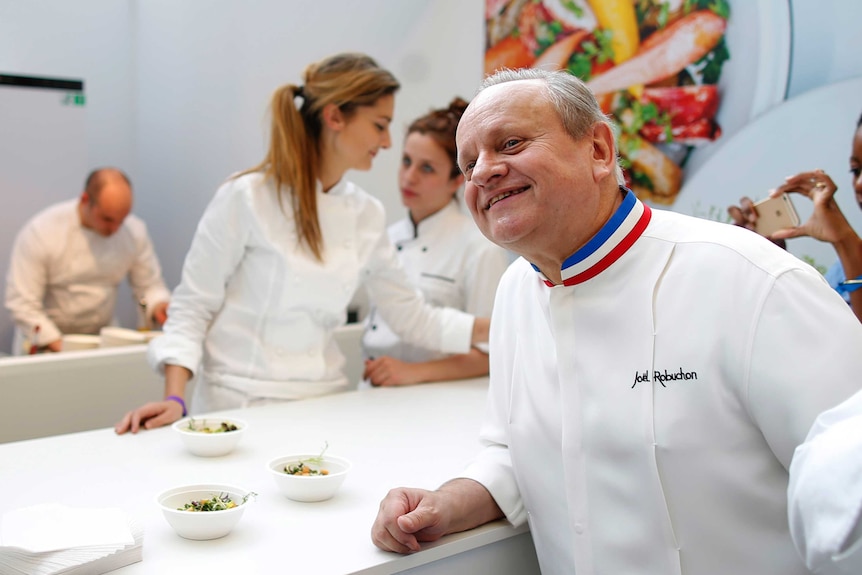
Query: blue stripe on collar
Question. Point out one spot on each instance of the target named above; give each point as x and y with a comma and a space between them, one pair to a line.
615, 237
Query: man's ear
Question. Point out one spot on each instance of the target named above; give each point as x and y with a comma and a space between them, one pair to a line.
604, 153
333, 117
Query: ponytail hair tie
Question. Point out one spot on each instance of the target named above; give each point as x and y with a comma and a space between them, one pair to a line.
299, 91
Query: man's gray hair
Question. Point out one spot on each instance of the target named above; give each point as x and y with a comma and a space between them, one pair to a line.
574, 102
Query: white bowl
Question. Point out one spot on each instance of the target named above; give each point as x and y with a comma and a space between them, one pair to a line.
200, 442
309, 487
117, 336
202, 525
78, 341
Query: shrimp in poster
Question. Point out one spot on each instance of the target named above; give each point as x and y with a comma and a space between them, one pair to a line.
654, 66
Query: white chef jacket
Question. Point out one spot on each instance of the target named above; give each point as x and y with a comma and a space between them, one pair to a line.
825, 491
63, 276
451, 263
257, 311
643, 417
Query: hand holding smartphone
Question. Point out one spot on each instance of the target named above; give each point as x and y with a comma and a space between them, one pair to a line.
775, 214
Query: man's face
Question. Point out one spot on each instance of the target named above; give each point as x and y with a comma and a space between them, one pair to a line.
529, 185
106, 215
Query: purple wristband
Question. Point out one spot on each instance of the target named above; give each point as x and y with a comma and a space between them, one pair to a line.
178, 400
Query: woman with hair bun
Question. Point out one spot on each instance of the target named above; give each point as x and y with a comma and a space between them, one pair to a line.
281, 249
445, 255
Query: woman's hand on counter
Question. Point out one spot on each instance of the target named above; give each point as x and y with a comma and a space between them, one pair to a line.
149, 416
389, 371
159, 413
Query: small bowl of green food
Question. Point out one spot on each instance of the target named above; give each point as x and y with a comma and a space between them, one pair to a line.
309, 476
204, 511
210, 436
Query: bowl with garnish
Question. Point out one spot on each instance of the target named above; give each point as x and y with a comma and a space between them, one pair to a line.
210, 436
309, 476
204, 511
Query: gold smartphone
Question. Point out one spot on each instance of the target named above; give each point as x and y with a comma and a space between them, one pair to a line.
775, 214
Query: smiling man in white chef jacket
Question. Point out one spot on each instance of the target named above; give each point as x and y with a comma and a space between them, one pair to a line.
651, 373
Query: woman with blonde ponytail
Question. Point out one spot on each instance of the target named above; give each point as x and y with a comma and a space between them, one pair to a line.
279, 253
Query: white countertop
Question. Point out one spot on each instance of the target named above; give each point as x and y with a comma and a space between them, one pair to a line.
416, 436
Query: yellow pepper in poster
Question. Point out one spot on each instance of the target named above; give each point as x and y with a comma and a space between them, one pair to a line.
619, 18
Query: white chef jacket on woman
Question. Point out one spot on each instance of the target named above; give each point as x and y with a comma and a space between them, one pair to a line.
452, 263
642, 418
825, 491
257, 311
63, 276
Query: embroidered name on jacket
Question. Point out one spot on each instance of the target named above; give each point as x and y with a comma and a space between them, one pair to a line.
662, 376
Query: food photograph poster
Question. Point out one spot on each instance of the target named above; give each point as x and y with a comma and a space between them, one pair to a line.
701, 93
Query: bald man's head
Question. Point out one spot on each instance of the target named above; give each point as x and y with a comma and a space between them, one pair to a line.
105, 201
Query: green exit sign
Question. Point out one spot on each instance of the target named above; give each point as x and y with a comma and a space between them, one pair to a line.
74, 99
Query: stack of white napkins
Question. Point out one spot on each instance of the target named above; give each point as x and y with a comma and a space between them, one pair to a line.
54, 539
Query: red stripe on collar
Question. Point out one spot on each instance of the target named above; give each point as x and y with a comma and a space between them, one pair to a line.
616, 253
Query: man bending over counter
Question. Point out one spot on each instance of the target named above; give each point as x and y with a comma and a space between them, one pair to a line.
69, 259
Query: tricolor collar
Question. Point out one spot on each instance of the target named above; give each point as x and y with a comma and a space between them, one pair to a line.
617, 235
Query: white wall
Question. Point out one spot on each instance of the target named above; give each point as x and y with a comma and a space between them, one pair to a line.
177, 89
826, 43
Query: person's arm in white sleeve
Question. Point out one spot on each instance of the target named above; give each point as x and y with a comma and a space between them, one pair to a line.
26, 282
408, 314
824, 497
484, 265
493, 467
145, 276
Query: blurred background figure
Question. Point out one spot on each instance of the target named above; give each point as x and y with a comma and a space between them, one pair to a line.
827, 223
443, 252
69, 259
